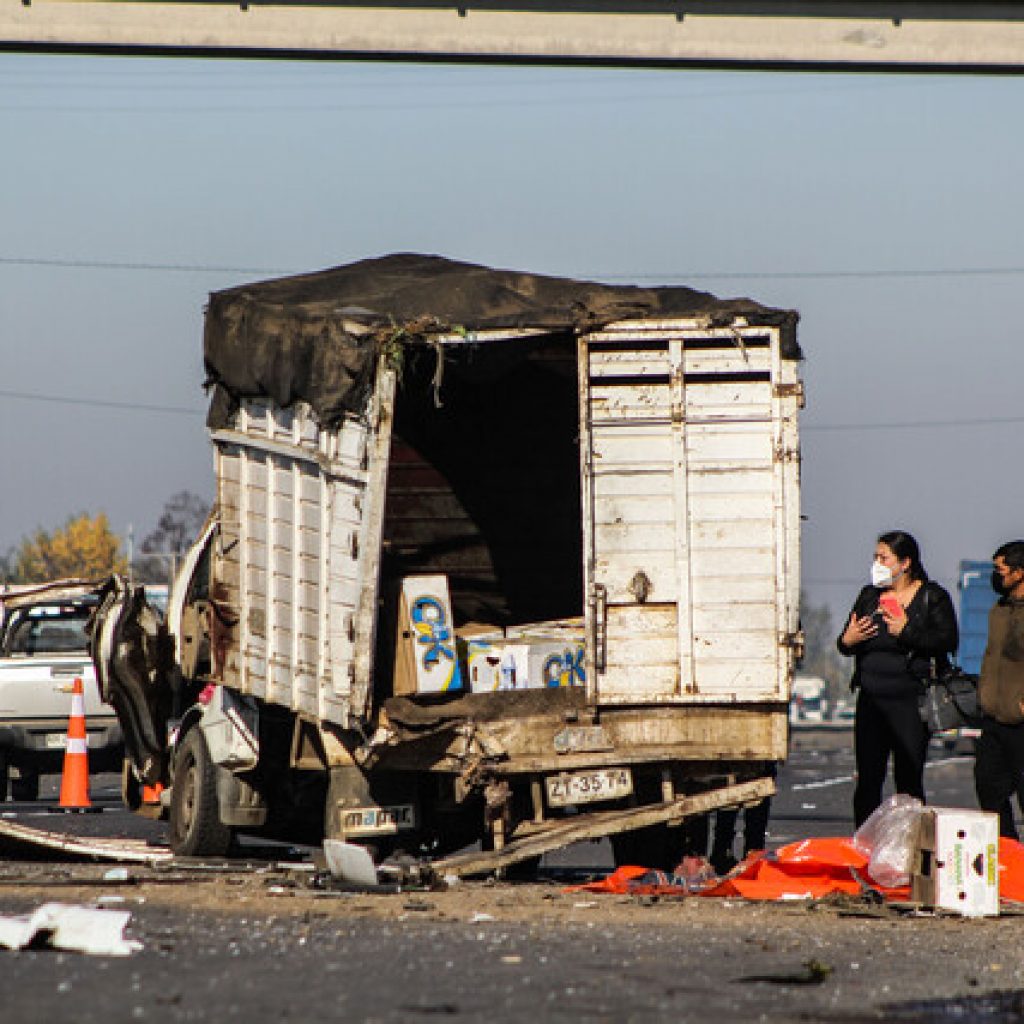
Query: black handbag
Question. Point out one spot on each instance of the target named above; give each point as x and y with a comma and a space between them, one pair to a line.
950, 701
949, 696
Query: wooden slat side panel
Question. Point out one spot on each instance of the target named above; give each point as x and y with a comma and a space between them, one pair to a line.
290, 495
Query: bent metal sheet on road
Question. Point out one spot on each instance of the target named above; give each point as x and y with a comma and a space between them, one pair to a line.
15, 837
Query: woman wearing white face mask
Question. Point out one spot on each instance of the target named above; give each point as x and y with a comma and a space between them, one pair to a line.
899, 624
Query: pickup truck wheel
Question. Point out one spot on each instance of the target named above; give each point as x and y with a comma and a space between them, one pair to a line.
26, 786
195, 826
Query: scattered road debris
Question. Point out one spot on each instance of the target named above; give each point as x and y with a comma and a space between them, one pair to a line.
18, 839
63, 926
349, 862
419, 905
814, 973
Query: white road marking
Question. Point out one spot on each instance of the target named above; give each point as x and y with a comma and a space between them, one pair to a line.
840, 780
943, 761
821, 784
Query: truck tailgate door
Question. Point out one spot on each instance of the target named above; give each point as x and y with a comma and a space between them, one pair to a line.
691, 505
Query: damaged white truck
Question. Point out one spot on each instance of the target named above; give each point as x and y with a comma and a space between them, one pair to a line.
495, 559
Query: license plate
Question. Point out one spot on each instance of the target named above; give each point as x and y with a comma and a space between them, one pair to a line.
587, 787
378, 821
59, 740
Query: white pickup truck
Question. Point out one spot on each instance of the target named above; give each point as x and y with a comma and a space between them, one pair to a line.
43, 647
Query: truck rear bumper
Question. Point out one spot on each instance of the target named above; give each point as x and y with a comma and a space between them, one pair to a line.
557, 731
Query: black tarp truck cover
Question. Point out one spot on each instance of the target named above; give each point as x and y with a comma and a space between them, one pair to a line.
315, 337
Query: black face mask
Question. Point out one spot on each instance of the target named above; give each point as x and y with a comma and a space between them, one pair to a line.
1000, 586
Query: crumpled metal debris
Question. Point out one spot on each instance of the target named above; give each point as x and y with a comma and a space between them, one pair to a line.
64, 926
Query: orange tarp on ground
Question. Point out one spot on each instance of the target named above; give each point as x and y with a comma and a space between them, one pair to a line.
809, 869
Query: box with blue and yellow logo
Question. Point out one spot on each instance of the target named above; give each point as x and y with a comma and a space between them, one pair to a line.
426, 656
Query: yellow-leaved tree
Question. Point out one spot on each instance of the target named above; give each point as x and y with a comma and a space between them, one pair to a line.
84, 546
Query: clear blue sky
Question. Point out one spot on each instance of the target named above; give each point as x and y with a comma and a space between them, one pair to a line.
879, 207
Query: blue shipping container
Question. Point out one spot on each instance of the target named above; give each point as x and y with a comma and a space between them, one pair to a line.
976, 598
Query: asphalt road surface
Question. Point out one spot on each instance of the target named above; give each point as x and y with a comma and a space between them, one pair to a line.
258, 946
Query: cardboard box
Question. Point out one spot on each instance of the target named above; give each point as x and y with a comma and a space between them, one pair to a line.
426, 657
557, 663
483, 661
546, 662
522, 657
956, 861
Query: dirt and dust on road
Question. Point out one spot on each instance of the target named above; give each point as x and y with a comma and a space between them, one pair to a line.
260, 940
268, 938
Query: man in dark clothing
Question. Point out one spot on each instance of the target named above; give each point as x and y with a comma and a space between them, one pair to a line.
999, 764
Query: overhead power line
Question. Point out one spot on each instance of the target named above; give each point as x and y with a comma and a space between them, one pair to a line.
190, 268
101, 403
651, 278
180, 410
811, 275
987, 421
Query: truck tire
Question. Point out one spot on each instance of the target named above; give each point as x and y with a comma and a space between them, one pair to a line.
195, 826
26, 786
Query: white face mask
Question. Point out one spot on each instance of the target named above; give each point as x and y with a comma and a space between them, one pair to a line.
881, 575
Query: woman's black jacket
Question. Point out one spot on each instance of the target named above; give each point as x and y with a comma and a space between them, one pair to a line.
930, 633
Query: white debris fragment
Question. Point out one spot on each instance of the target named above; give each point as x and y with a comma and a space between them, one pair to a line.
478, 917
116, 875
349, 862
80, 929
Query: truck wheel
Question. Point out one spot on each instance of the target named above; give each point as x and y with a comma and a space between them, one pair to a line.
26, 786
195, 826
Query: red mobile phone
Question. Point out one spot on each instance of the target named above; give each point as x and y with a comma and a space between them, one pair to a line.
890, 603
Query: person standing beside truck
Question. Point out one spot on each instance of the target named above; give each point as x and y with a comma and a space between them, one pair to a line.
755, 830
999, 762
902, 627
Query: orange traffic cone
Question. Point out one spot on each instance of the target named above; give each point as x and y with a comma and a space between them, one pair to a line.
74, 783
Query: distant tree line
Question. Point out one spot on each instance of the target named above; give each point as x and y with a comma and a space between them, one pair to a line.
86, 547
